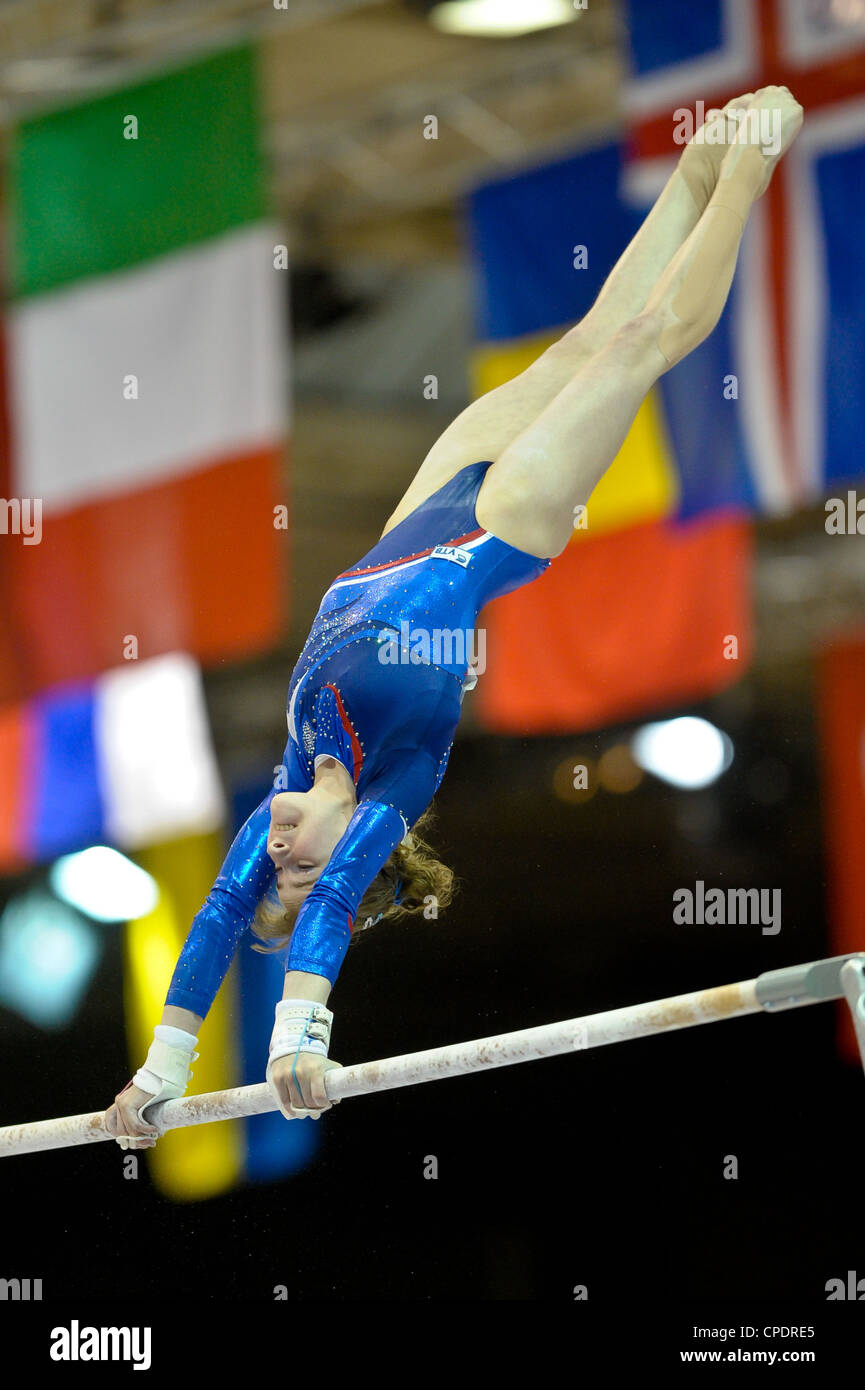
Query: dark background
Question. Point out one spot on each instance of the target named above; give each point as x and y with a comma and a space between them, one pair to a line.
604, 1168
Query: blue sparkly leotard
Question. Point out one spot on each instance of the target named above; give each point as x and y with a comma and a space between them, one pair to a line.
378, 686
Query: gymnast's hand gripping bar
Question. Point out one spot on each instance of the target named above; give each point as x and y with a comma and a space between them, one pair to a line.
841, 977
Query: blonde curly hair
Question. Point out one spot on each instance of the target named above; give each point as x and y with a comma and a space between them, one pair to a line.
422, 880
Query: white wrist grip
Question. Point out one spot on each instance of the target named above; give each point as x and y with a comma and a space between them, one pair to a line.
166, 1073
301, 1025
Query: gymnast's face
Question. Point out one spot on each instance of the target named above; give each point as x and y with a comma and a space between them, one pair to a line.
305, 827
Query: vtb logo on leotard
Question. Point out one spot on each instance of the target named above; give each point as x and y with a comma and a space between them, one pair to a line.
452, 552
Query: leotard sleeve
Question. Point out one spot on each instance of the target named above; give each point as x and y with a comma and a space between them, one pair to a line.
246, 875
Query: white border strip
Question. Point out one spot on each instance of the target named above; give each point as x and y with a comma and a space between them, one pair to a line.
728, 66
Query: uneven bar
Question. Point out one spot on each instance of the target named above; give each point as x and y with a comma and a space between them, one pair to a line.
788, 988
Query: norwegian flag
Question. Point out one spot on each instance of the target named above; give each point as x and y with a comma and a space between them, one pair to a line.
792, 426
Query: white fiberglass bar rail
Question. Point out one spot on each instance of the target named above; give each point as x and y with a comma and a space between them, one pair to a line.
837, 978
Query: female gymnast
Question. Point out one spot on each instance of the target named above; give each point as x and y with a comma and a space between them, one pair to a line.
336, 843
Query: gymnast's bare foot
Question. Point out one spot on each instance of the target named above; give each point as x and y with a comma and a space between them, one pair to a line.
701, 159
770, 124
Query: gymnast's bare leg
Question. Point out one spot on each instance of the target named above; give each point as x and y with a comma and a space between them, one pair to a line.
529, 495
486, 427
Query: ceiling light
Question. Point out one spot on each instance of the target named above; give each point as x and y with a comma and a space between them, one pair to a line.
501, 18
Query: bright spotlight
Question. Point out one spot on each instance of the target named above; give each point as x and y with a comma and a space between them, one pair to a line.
685, 752
501, 18
104, 884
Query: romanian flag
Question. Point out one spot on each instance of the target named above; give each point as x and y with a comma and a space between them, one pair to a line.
146, 374
643, 609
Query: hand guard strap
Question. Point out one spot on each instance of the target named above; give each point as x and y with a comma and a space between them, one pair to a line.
166, 1072
301, 1026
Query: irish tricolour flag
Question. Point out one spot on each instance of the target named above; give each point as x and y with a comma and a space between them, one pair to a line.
146, 380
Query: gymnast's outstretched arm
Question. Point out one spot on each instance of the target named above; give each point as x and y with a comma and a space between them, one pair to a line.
393, 801
245, 875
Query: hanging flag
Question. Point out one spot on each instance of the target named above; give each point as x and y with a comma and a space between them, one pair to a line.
841, 706
126, 760
146, 364
543, 243
203, 1160
640, 611
12, 683
636, 619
